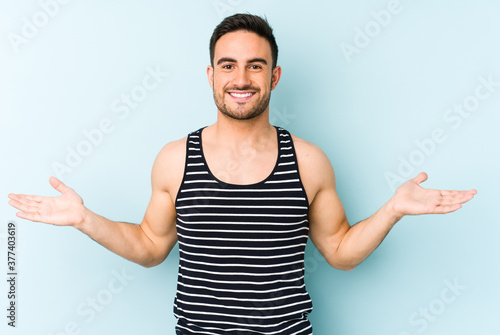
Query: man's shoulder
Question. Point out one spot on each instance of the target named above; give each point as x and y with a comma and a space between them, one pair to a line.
308, 151
172, 151
168, 167
173, 154
315, 168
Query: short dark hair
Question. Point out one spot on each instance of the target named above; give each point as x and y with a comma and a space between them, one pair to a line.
247, 22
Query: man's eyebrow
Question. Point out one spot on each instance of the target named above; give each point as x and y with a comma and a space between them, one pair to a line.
226, 59
258, 60
232, 60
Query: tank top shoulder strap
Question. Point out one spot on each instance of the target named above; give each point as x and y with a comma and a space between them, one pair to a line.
193, 147
194, 166
286, 169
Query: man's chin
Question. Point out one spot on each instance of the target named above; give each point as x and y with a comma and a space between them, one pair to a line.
241, 116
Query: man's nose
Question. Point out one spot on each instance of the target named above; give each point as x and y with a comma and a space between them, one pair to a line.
241, 78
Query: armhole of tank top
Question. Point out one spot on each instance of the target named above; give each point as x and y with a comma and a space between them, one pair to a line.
184, 170
295, 157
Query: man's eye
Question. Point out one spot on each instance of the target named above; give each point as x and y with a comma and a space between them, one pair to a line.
256, 67
227, 67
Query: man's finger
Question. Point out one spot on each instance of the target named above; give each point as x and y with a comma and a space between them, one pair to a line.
27, 208
16, 204
454, 192
27, 216
422, 176
57, 184
466, 196
35, 198
25, 199
444, 209
459, 197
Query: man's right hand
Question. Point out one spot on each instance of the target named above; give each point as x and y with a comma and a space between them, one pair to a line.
147, 243
64, 210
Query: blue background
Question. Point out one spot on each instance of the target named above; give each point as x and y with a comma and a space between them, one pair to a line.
367, 108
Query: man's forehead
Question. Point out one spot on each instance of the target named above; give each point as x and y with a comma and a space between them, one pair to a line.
242, 45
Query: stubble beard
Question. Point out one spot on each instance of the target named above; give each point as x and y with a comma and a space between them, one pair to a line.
241, 112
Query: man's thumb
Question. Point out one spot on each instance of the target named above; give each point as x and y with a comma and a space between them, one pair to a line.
422, 176
57, 184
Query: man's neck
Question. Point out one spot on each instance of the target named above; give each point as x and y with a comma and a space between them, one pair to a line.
233, 133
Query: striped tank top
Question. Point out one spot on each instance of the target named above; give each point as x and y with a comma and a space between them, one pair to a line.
241, 264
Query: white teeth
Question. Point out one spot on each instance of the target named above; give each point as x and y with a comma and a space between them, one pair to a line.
241, 95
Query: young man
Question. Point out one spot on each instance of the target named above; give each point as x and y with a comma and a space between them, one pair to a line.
241, 197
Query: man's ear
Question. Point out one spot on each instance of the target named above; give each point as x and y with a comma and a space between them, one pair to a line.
210, 75
276, 77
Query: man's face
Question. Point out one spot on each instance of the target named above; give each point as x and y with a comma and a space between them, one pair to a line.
242, 77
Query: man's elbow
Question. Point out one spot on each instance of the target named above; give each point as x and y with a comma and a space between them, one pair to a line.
150, 263
151, 258
343, 265
346, 267
153, 254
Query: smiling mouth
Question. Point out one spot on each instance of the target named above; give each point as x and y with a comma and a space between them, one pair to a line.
241, 94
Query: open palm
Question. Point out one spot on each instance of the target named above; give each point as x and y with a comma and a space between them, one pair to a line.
412, 199
64, 210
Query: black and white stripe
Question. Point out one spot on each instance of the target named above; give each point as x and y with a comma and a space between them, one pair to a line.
241, 267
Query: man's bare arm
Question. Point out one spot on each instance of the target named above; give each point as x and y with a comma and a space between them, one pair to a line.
147, 244
345, 246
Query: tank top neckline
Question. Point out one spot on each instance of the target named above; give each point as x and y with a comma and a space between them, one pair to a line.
225, 184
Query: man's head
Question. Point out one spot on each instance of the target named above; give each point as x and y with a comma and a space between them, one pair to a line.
243, 71
245, 22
